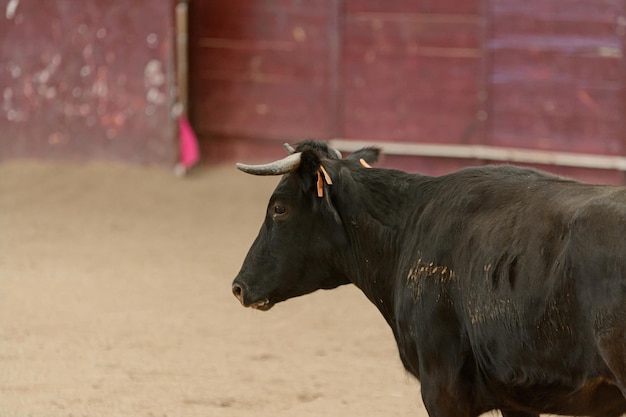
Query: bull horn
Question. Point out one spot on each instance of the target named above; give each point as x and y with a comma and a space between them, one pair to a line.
289, 148
336, 152
280, 167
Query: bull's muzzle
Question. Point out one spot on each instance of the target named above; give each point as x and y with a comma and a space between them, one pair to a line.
239, 292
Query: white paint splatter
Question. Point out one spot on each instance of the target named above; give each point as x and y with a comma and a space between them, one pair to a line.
56, 61
100, 88
154, 79
44, 75
153, 73
16, 116
88, 51
8, 94
154, 96
85, 71
51, 92
41, 77
7, 104
11, 9
14, 69
152, 39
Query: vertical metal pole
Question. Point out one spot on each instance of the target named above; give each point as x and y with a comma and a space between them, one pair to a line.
336, 27
182, 12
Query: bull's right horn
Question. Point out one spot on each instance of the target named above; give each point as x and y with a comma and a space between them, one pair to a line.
288, 164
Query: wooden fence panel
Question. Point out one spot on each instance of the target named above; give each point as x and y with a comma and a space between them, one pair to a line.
412, 72
261, 72
557, 75
87, 80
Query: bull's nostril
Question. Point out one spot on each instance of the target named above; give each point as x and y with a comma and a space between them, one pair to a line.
238, 292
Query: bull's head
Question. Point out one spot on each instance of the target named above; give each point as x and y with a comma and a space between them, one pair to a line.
300, 244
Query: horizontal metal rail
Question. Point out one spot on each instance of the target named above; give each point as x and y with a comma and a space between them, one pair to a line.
490, 153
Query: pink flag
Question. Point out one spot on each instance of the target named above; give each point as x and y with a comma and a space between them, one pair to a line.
188, 144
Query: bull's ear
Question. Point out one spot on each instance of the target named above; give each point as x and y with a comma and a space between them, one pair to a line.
316, 179
310, 163
369, 155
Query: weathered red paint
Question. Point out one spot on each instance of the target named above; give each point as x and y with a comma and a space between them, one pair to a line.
85, 80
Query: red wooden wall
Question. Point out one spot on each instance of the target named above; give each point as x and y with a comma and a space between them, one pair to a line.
89, 79
556, 77
261, 71
96, 80
411, 70
541, 74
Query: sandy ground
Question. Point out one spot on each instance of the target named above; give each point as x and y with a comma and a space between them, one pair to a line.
115, 301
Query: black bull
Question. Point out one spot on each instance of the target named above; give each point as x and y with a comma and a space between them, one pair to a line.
505, 287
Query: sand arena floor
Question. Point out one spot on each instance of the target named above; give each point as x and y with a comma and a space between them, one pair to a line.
115, 301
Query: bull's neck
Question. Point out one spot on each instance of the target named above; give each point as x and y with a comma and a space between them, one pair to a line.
376, 211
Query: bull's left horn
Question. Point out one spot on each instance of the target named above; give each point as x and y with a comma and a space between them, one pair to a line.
289, 148
280, 167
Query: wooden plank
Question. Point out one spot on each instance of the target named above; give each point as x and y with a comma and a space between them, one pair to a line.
205, 7
608, 47
506, 24
411, 6
261, 20
582, 11
262, 65
412, 33
531, 65
252, 109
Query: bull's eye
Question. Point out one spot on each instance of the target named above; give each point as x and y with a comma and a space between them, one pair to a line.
277, 210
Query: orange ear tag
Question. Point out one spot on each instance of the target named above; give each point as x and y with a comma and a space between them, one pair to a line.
320, 185
365, 164
326, 176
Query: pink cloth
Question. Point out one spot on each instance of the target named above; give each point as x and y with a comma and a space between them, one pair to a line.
188, 144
